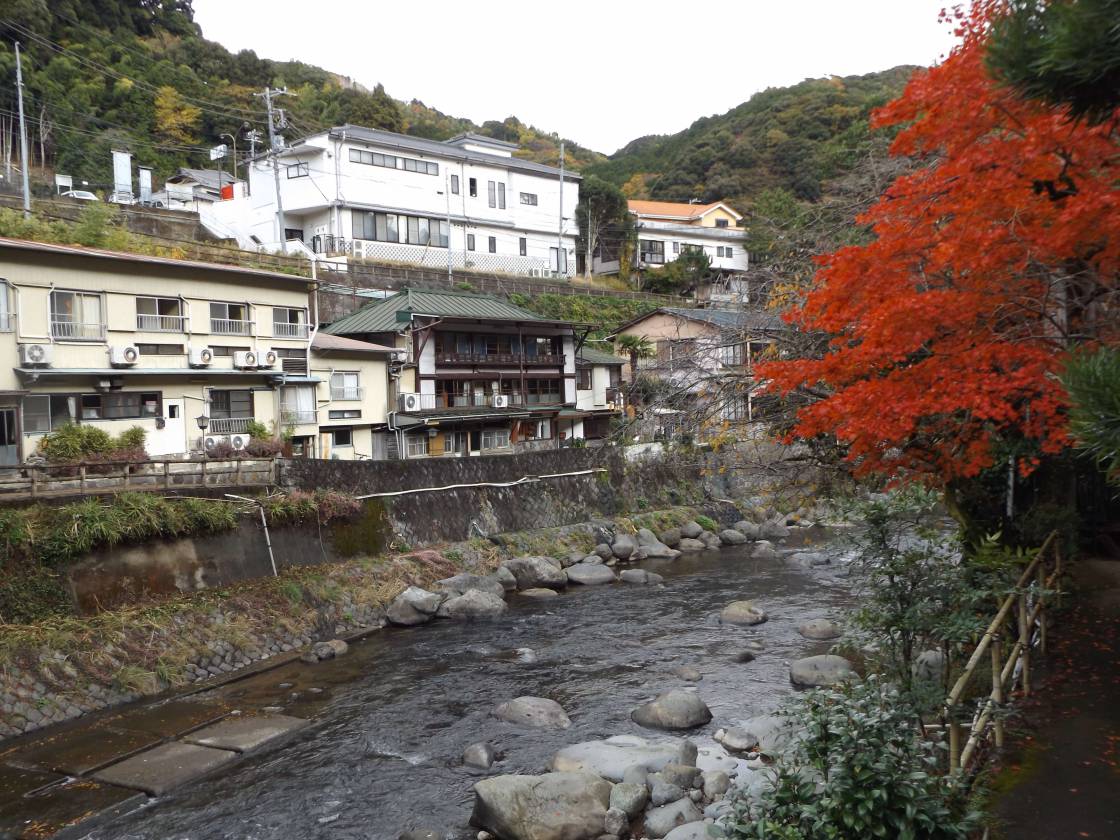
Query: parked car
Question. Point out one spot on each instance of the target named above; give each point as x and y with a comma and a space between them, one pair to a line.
81, 195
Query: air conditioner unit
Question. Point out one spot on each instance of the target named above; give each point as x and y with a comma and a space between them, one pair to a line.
410, 402
36, 354
124, 355
267, 359
244, 359
214, 441
239, 442
200, 357
499, 401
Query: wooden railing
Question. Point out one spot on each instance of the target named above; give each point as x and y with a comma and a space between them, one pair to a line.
1022, 618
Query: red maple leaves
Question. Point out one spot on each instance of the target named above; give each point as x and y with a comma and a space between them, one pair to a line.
989, 264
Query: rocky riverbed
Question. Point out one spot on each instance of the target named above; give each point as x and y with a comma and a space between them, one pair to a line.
618, 685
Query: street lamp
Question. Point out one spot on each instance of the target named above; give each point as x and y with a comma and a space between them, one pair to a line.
233, 140
203, 421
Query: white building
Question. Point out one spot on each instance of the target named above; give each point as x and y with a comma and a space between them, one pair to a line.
364, 193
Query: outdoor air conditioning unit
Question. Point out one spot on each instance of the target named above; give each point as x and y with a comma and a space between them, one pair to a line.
499, 401
200, 357
410, 402
124, 355
213, 441
244, 359
239, 441
267, 359
36, 354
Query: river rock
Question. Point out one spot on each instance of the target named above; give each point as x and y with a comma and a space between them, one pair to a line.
747, 528
732, 537
506, 578
770, 731
571, 559
592, 560
737, 739
629, 798
536, 712
808, 559
826, 669
321, 651
480, 756
764, 550
673, 709
623, 546
671, 537
539, 592
589, 575
662, 792
474, 603
820, 629
684, 776
689, 544
613, 757
773, 531
604, 551
640, 576
414, 606
687, 673
929, 666
532, 572
743, 613
555, 806
711, 541
461, 584
716, 783
689, 831
616, 822
687, 753
660, 821
691, 529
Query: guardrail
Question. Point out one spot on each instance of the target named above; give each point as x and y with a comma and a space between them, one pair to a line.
1025, 611
35, 481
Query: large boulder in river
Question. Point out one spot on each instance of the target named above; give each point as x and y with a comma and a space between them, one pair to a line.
463, 583
604, 551
820, 629
660, 821
537, 712
623, 546
773, 530
640, 576
732, 537
688, 544
691, 529
827, 669
671, 537
764, 550
474, 603
590, 575
650, 546
610, 758
674, 709
711, 541
555, 806
743, 613
747, 528
414, 606
532, 572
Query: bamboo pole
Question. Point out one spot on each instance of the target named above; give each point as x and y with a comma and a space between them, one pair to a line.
997, 688
1025, 644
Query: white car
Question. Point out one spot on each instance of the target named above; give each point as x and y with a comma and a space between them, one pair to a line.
81, 195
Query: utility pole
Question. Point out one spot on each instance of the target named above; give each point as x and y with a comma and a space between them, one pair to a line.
561, 257
447, 195
587, 238
24, 164
272, 153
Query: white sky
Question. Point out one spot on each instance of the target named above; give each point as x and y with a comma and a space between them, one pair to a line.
601, 73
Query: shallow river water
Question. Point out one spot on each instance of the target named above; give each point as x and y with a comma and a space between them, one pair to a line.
391, 719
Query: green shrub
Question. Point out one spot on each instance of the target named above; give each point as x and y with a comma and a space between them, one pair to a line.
79, 442
258, 431
132, 438
708, 524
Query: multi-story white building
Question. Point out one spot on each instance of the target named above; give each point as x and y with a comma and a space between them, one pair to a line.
362, 193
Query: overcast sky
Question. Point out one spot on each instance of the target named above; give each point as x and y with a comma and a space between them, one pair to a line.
600, 72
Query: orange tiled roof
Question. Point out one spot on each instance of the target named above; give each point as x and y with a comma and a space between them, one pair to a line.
671, 208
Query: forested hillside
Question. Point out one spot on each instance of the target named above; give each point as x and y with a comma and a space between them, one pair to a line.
100, 74
794, 138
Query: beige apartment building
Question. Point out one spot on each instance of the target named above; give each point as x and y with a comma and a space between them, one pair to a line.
190, 352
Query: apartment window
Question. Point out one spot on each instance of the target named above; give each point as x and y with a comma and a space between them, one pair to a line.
454, 184
584, 374
297, 405
473, 185
495, 438
159, 314
727, 251
298, 170
522, 246
120, 405
529, 198
344, 385
289, 323
676, 247
731, 354
416, 445
493, 240
424, 167
76, 315
721, 222
6, 318
492, 193
651, 250
501, 196
373, 158
231, 403
391, 227
229, 318
160, 349
542, 391
224, 349
42, 413
344, 414
470, 241
342, 437
687, 247
453, 442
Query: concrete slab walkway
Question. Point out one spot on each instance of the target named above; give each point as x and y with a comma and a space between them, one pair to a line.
1062, 779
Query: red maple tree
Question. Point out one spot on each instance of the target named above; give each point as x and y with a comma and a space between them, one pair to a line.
990, 262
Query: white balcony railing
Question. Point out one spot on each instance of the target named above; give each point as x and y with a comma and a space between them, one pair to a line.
77, 331
283, 329
228, 425
161, 323
346, 393
224, 326
296, 417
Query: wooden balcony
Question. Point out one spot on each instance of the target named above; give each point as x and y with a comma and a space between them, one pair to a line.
540, 360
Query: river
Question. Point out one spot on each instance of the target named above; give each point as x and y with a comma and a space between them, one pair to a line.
393, 716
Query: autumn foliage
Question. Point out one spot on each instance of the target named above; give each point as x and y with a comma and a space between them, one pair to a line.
991, 261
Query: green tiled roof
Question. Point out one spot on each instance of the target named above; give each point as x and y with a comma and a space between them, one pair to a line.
598, 357
381, 316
